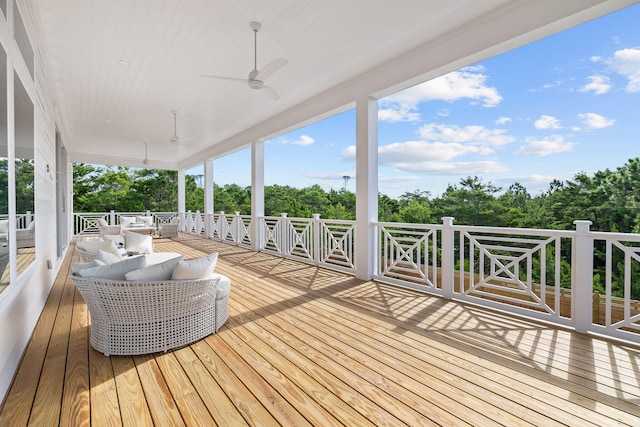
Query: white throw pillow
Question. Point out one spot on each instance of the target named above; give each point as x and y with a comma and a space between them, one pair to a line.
117, 270
77, 266
93, 246
161, 271
107, 257
148, 220
224, 285
138, 243
102, 222
199, 268
118, 239
126, 221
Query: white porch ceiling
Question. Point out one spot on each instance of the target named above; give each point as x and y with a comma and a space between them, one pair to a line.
337, 50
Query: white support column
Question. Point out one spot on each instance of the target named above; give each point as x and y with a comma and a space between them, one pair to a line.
366, 185
582, 271
208, 196
257, 193
181, 196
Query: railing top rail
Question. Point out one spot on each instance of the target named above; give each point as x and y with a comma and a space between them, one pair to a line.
604, 235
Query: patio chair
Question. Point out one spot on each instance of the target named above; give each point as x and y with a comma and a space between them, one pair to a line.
105, 228
170, 229
26, 237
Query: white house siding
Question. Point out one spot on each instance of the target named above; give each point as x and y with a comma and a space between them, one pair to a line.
21, 304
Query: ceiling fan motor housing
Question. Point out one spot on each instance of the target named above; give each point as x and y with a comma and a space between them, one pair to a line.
256, 84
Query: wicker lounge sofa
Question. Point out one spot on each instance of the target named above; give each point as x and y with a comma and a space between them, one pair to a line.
130, 317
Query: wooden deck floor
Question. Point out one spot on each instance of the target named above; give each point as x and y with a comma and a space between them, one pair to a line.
308, 346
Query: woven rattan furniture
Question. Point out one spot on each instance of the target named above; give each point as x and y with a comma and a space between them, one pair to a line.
131, 317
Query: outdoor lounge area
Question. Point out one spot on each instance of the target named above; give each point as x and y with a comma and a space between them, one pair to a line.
310, 346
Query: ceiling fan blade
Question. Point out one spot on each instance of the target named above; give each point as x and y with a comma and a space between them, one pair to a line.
271, 68
231, 79
271, 92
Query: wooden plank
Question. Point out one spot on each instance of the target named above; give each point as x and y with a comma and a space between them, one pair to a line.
239, 379
105, 409
192, 408
288, 389
222, 409
133, 410
48, 400
161, 403
76, 397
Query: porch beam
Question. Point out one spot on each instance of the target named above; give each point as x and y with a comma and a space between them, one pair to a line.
366, 185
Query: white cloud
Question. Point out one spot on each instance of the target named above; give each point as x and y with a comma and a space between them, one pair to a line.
397, 178
626, 62
545, 146
595, 121
394, 115
503, 120
467, 83
473, 135
303, 140
331, 176
547, 122
597, 84
454, 168
431, 158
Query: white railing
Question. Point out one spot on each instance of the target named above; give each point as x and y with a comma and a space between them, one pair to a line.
327, 243
543, 274
87, 223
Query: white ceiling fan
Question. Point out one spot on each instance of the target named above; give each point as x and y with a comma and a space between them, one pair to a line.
257, 77
175, 139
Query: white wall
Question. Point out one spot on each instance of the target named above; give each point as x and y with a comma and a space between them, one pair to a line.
22, 302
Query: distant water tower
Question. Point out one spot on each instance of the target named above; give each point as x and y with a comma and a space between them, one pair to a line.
346, 179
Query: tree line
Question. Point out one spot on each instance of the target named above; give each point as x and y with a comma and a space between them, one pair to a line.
608, 199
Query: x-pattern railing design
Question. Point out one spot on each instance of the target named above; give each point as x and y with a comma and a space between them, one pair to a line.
631, 263
300, 239
505, 272
409, 255
336, 245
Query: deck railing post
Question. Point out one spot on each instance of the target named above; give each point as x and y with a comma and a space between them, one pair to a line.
582, 277
316, 238
284, 232
447, 257
237, 233
112, 217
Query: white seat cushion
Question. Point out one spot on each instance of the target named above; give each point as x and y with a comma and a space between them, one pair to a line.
116, 270
126, 221
93, 246
77, 266
147, 220
224, 285
107, 257
199, 268
138, 243
161, 271
118, 239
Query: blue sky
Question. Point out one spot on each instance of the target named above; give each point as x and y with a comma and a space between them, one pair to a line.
569, 103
